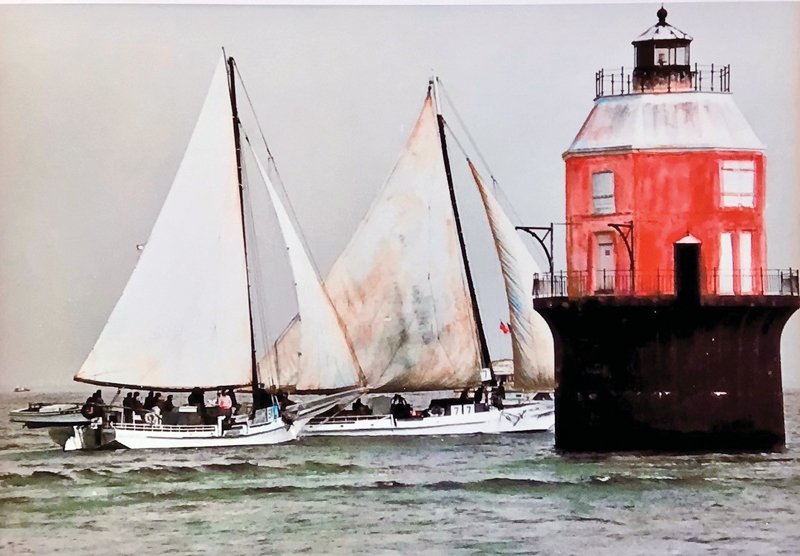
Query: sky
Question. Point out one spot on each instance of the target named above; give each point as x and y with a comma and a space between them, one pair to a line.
97, 103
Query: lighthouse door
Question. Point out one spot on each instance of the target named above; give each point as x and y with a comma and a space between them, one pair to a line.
606, 266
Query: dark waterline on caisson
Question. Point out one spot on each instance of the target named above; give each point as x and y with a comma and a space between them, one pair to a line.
503, 494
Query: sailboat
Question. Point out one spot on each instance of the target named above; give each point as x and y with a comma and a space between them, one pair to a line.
184, 321
404, 290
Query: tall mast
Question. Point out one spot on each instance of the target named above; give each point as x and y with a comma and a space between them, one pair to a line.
484, 347
237, 142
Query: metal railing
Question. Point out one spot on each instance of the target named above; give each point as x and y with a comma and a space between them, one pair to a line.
620, 81
164, 428
583, 283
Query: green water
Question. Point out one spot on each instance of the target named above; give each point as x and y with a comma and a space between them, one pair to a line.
459, 495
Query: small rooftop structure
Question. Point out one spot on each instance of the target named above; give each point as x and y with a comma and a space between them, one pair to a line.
662, 65
662, 31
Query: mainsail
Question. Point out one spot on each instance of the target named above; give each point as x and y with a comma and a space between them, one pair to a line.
399, 284
531, 338
326, 360
182, 320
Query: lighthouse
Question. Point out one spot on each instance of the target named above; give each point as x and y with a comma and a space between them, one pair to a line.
667, 318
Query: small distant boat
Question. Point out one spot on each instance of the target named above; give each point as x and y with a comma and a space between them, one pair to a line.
48, 414
21, 389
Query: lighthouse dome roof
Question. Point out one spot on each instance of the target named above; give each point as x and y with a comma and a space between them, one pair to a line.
662, 33
670, 121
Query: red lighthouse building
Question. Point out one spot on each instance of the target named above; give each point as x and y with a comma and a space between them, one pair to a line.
664, 153
667, 320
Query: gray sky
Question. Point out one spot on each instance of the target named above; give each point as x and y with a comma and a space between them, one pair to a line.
97, 104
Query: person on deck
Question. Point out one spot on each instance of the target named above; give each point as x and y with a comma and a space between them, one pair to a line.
88, 409
361, 409
127, 408
234, 404
224, 403
169, 405
264, 398
400, 408
136, 404
149, 401
479, 395
196, 398
464, 397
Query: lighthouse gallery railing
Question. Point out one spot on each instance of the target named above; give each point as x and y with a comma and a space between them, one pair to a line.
619, 81
583, 283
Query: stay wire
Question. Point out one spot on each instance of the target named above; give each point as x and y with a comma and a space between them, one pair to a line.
495, 185
277, 174
259, 275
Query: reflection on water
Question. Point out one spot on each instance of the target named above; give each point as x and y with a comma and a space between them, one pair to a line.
460, 495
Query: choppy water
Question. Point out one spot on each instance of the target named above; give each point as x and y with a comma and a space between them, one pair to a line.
467, 495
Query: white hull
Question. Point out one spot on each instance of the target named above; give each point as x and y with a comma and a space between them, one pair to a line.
269, 428
57, 415
138, 436
533, 417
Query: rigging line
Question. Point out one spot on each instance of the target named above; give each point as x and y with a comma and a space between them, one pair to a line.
495, 184
479, 329
288, 201
261, 300
464, 127
507, 205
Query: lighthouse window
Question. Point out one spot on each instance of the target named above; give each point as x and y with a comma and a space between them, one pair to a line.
603, 192
737, 183
746, 261
725, 270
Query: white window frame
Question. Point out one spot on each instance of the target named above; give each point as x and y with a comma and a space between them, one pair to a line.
600, 186
725, 270
746, 261
737, 183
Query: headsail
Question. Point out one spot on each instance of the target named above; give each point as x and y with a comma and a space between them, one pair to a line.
531, 338
327, 361
182, 320
399, 284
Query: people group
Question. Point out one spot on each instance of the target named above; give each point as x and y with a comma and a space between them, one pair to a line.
226, 404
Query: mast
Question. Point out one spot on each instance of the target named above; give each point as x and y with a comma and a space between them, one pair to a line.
484, 347
237, 142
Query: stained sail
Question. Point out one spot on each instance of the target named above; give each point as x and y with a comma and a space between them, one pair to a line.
182, 320
326, 360
531, 338
398, 285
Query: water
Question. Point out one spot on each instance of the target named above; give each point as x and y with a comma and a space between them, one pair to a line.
432, 496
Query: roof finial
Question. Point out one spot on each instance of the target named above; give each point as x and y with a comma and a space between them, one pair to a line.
662, 15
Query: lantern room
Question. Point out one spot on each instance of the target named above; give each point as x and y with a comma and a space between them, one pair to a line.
664, 153
661, 57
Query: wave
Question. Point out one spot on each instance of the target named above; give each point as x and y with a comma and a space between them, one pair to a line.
37, 478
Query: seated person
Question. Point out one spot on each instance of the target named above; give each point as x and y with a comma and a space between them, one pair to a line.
360, 408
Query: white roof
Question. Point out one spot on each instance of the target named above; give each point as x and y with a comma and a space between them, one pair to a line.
660, 32
665, 121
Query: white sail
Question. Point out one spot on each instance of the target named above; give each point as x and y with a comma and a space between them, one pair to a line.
399, 285
327, 361
531, 338
183, 319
